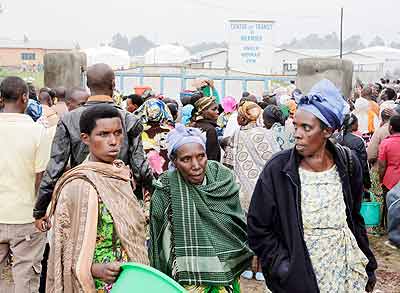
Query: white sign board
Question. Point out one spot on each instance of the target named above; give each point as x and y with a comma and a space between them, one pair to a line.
250, 45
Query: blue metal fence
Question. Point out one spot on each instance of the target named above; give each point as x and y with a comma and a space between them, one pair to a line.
120, 75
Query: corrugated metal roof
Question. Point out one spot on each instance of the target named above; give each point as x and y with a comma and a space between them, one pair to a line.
210, 52
37, 44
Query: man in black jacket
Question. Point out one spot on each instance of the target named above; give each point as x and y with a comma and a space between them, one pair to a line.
68, 148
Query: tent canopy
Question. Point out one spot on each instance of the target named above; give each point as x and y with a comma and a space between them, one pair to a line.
116, 58
166, 54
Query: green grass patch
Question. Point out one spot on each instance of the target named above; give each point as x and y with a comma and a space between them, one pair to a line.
37, 76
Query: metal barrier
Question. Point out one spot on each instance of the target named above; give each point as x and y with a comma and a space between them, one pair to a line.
121, 76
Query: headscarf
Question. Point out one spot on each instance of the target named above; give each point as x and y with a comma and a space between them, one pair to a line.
34, 109
292, 106
180, 136
326, 103
229, 104
154, 110
250, 110
273, 113
202, 104
186, 114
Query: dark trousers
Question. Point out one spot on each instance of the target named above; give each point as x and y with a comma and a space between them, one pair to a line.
385, 208
43, 275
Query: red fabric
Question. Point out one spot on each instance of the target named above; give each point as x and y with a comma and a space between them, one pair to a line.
389, 151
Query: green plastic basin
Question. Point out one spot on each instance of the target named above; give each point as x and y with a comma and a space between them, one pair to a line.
140, 278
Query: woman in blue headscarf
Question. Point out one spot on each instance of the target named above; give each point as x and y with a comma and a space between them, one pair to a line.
186, 114
304, 220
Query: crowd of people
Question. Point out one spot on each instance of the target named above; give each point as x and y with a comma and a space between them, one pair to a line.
204, 189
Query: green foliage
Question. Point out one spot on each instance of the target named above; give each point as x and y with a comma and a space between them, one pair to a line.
37, 76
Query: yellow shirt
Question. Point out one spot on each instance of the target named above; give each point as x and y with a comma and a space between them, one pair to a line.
24, 151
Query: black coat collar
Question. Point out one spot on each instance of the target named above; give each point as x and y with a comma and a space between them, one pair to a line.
292, 166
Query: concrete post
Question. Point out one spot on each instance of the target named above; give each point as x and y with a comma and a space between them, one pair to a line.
312, 70
64, 69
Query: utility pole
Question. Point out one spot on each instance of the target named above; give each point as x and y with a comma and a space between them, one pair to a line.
341, 33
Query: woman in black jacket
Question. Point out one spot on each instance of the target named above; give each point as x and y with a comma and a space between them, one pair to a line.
304, 221
356, 144
205, 118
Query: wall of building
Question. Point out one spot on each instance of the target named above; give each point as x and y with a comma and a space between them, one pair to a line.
12, 57
282, 58
216, 60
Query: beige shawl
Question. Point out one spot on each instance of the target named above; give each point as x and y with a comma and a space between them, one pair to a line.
75, 211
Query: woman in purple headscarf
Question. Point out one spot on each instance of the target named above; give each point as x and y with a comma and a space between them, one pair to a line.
304, 219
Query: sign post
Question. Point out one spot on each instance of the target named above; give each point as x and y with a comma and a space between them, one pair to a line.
250, 45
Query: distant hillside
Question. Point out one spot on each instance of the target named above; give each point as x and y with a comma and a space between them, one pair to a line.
331, 41
204, 46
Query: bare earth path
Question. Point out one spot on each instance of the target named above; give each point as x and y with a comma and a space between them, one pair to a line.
388, 273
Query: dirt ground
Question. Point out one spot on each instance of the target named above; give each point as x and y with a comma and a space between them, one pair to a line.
388, 273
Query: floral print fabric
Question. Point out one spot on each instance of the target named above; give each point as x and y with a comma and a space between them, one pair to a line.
108, 246
338, 262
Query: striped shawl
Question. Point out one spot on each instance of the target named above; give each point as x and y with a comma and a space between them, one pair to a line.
198, 232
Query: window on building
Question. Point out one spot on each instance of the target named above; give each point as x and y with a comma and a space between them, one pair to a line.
289, 67
28, 56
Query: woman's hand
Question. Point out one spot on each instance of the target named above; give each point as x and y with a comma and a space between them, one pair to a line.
107, 272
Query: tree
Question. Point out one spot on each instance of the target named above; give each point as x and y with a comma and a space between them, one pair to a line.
331, 41
377, 41
139, 45
120, 42
395, 45
314, 41
204, 46
353, 43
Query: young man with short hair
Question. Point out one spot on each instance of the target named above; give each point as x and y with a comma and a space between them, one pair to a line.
24, 152
68, 148
95, 209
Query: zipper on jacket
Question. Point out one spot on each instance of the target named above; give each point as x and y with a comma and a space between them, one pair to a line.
300, 224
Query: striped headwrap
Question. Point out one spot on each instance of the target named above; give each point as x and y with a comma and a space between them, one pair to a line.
203, 103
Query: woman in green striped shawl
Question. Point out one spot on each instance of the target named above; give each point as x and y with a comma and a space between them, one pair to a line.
198, 229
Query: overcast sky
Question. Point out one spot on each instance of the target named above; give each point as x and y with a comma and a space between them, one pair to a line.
91, 22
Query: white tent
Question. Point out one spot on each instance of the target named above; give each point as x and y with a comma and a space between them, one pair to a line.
116, 58
166, 54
